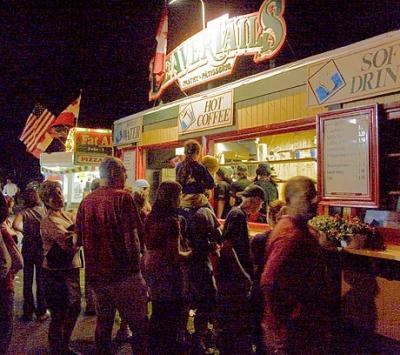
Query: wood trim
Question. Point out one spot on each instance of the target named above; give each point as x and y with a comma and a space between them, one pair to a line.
267, 130
372, 200
392, 111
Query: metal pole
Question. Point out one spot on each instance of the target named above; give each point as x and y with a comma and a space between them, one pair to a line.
203, 14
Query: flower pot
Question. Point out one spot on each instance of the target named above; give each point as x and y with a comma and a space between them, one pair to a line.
354, 241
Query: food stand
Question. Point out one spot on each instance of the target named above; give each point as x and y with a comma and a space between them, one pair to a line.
78, 166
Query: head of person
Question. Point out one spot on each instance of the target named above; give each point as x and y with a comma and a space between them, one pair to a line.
168, 196
139, 196
274, 211
9, 180
301, 197
211, 164
96, 183
141, 184
263, 170
241, 171
252, 197
192, 150
31, 198
222, 174
51, 195
113, 172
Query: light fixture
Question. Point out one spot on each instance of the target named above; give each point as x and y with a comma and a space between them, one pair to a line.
203, 12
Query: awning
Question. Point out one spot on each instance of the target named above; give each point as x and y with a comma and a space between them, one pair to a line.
68, 170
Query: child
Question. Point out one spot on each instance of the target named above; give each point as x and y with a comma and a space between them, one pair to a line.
194, 177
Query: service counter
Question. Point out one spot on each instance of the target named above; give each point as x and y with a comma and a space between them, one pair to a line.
365, 286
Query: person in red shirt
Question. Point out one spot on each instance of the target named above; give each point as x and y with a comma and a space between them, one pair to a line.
293, 283
109, 224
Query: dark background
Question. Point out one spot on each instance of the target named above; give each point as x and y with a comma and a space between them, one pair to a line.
49, 51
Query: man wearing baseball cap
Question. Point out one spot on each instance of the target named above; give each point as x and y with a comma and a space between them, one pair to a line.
235, 273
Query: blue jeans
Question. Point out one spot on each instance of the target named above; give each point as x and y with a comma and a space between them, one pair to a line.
6, 319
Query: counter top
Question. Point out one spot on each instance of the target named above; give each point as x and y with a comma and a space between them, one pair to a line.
392, 252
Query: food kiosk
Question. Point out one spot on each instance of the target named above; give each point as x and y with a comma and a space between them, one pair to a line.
334, 117
78, 166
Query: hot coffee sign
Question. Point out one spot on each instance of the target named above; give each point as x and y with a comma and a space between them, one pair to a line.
212, 53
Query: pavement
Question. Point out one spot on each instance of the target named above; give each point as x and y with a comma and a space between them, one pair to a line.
31, 337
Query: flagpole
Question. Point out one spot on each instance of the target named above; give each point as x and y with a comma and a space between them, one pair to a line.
77, 118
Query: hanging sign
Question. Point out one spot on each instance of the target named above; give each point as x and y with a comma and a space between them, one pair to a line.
207, 113
212, 53
92, 145
128, 131
365, 73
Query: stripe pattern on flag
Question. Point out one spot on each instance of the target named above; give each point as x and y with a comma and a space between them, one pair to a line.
36, 126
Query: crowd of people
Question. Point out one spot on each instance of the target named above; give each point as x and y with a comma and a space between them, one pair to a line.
265, 294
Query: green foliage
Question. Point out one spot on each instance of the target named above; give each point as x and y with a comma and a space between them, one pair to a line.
338, 228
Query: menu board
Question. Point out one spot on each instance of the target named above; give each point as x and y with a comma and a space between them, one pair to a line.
348, 157
129, 159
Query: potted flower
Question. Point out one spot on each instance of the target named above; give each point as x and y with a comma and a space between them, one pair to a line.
356, 233
331, 229
336, 231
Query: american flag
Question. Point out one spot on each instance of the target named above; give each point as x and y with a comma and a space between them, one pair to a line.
36, 130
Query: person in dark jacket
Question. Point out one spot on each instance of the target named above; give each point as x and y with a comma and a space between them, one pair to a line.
265, 181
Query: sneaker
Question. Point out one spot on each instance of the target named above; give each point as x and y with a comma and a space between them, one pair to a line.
43, 317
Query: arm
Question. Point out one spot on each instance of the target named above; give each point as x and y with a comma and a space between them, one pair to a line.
220, 208
18, 223
131, 228
208, 179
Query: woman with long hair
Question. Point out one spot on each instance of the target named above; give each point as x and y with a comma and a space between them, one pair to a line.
165, 270
61, 268
193, 176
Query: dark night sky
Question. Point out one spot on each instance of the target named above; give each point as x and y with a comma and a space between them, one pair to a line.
49, 51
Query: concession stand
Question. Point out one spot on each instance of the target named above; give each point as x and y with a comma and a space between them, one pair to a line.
78, 166
334, 117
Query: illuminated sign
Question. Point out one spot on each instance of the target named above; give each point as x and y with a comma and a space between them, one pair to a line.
92, 145
212, 53
127, 132
210, 112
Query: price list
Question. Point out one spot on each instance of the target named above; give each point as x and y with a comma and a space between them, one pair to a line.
346, 156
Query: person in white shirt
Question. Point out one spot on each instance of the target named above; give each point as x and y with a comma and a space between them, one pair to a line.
10, 189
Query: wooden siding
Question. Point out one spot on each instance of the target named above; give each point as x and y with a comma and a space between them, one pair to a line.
272, 108
160, 135
388, 99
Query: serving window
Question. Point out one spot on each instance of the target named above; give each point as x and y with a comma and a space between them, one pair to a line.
289, 154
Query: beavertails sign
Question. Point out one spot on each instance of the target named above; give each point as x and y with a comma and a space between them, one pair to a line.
212, 53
